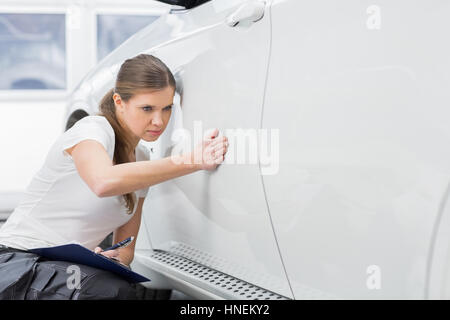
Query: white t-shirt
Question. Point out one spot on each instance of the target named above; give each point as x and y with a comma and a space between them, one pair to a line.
58, 206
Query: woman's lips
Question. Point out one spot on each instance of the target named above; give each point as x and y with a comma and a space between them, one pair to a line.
155, 133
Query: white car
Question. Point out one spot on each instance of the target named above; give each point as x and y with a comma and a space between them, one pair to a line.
352, 200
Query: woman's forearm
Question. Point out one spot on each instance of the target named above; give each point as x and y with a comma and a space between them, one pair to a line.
131, 176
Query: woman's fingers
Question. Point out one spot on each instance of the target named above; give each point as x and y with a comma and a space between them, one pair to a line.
220, 143
109, 253
222, 147
211, 134
219, 159
219, 151
218, 139
212, 151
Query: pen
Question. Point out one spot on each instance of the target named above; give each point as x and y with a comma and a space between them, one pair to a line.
121, 244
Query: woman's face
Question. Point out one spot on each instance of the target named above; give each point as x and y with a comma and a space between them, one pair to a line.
146, 111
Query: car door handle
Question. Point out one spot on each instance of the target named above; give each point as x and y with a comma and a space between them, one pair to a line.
250, 11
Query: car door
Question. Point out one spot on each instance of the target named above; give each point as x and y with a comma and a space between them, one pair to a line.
217, 218
360, 93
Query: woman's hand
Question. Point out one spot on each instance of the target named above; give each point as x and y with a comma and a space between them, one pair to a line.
210, 152
113, 254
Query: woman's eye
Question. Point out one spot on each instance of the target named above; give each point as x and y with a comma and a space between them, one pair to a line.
150, 108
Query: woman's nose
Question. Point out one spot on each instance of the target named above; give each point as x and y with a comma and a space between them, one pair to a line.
157, 121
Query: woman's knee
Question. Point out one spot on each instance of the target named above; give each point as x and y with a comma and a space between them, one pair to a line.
66, 280
104, 285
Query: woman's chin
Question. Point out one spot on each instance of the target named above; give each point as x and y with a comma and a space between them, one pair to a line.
150, 139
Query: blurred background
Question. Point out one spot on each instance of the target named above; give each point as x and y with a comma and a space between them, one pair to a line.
46, 48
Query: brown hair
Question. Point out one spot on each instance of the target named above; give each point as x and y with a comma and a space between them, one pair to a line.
142, 72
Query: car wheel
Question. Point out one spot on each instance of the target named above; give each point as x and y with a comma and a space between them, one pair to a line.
74, 117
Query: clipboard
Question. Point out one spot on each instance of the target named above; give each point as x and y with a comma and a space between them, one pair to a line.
79, 254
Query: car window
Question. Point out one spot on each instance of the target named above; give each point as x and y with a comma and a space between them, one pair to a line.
33, 51
113, 30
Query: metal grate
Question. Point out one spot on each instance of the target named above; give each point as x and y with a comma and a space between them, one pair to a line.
229, 285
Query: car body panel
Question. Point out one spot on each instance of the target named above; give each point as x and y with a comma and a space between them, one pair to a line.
364, 158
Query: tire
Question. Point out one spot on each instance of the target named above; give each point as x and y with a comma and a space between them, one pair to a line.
74, 117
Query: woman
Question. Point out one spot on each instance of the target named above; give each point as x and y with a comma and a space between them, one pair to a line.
93, 182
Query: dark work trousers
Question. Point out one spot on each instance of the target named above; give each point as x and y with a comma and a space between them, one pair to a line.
28, 276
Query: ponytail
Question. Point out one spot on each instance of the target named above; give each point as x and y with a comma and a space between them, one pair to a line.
122, 147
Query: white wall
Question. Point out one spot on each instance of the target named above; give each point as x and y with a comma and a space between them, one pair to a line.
27, 130
31, 121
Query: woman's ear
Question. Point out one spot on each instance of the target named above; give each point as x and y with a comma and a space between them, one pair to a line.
118, 102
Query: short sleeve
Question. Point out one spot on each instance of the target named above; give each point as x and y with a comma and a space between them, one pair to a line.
90, 127
142, 154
